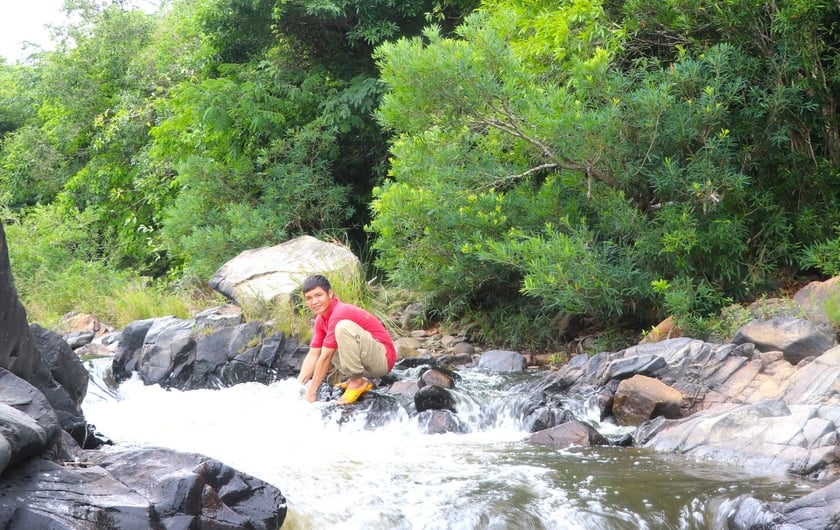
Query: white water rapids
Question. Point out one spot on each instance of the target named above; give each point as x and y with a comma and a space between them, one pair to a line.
337, 474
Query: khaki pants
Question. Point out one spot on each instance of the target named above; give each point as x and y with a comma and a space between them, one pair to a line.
359, 354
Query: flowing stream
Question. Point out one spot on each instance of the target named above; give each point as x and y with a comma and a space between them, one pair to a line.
336, 473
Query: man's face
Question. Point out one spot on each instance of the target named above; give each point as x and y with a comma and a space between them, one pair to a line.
318, 300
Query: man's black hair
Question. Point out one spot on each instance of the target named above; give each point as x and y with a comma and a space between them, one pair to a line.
315, 281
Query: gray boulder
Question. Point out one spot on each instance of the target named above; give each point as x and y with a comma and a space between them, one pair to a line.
274, 274
794, 337
502, 361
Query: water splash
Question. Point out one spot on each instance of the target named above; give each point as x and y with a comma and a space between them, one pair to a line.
337, 473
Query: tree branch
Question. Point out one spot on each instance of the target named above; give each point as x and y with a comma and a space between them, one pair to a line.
511, 125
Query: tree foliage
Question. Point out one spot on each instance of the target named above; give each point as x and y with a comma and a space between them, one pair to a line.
522, 164
603, 169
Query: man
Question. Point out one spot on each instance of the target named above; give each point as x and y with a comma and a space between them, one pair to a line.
346, 336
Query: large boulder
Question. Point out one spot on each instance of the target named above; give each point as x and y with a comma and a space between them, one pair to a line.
819, 510
274, 274
137, 490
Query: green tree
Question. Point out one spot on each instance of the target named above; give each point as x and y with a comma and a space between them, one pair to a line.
594, 173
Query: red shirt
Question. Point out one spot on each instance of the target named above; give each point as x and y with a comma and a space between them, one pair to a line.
323, 333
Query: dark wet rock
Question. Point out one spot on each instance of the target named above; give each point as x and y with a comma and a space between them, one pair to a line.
174, 353
439, 422
130, 348
79, 338
414, 362
143, 489
545, 416
434, 398
48, 481
28, 423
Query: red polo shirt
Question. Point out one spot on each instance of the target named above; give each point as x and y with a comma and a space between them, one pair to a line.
323, 333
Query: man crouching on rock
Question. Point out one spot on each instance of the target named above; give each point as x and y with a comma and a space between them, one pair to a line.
346, 336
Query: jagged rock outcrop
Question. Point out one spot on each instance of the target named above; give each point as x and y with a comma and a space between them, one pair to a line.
182, 354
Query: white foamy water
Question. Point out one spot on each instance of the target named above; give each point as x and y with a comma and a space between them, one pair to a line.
336, 474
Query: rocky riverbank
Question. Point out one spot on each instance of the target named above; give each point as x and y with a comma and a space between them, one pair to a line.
52, 475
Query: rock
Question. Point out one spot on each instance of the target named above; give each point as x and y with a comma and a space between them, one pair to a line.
438, 377
273, 274
767, 435
223, 316
666, 329
463, 348
818, 510
641, 398
410, 315
572, 433
796, 338
78, 339
65, 366
541, 412
169, 342
177, 354
407, 347
439, 422
502, 361
814, 297
131, 344
28, 423
137, 490
17, 351
748, 408
405, 388
76, 323
434, 398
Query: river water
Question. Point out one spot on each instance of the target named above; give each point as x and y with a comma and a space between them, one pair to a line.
336, 473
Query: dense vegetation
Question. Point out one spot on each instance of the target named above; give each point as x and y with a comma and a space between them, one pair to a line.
525, 167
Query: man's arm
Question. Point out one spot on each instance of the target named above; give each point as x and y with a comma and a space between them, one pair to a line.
308, 366
321, 366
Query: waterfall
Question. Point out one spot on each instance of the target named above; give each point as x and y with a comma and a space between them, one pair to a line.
336, 472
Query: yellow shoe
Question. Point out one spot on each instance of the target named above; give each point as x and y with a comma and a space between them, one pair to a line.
351, 395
